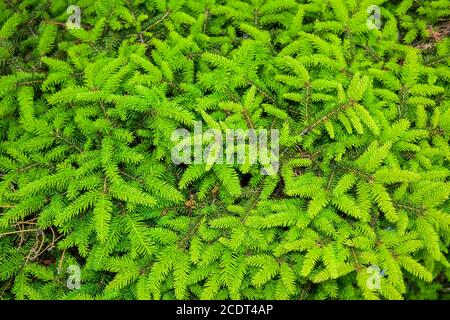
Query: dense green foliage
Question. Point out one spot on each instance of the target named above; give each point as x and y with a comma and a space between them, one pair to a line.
86, 176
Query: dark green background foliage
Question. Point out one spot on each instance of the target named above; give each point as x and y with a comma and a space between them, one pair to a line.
86, 177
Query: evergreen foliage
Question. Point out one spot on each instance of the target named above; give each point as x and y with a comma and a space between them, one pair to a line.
87, 179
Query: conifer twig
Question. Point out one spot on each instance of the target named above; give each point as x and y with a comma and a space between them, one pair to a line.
18, 231
166, 14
